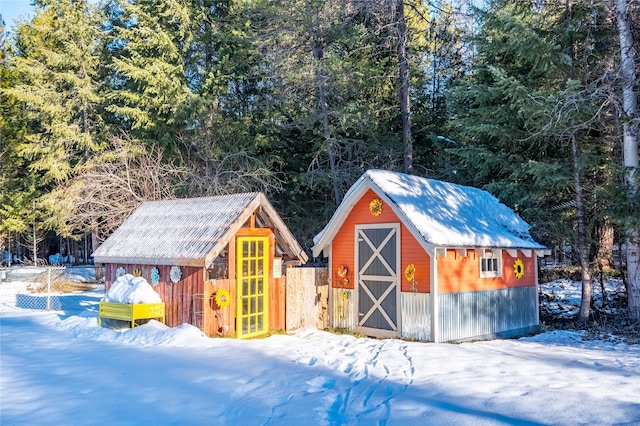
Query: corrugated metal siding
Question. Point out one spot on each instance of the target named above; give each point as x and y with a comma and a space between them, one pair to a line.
175, 229
478, 313
343, 313
416, 316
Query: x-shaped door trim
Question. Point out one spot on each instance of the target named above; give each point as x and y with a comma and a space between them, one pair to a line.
392, 270
376, 251
377, 305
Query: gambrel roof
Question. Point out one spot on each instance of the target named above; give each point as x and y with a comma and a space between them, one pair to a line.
438, 214
193, 231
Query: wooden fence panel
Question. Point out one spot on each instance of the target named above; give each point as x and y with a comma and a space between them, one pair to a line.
307, 298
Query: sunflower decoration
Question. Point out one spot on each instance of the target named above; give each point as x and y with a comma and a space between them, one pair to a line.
518, 268
345, 294
375, 206
410, 272
222, 298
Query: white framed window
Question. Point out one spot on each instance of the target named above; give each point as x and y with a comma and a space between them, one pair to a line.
491, 265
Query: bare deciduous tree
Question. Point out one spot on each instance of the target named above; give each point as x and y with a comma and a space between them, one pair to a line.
100, 198
32, 240
232, 173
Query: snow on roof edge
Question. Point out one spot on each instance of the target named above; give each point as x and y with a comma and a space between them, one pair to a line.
444, 214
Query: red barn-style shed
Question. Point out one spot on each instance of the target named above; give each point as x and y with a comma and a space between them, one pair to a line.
428, 260
218, 263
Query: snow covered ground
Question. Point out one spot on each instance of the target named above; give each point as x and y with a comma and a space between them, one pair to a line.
24, 289
61, 368
561, 298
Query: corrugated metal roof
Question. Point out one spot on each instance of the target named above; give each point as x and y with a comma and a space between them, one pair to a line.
189, 231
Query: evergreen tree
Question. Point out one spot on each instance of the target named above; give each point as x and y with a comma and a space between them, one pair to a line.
233, 125
153, 67
327, 87
56, 64
532, 122
54, 85
444, 65
18, 183
183, 78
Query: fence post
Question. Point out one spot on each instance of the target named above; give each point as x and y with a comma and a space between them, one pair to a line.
48, 289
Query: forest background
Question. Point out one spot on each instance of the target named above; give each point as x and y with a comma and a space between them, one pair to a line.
108, 104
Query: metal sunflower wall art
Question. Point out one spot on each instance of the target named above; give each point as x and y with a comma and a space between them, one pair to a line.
518, 268
223, 299
375, 206
410, 272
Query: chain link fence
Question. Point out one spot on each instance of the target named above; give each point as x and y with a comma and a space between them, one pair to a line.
50, 288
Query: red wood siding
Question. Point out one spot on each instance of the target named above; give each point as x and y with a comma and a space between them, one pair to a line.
178, 297
458, 274
219, 321
343, 245
180, 301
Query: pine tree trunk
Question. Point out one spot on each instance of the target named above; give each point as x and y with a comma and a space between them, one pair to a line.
583, 240
405, 102
35, 240
9, 254
318, 51
35, 246
630, 149
322, 98
605, 245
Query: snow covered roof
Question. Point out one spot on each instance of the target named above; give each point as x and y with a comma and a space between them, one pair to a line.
192, 231
438, 214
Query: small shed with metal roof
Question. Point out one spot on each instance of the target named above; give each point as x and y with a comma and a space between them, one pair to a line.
218, 263
429, 260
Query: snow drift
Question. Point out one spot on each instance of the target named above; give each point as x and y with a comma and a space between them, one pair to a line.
131, 290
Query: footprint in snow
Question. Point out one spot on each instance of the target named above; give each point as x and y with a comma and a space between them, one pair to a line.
320, 384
